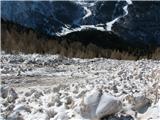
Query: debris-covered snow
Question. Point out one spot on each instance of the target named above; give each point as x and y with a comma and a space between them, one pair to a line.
51, 87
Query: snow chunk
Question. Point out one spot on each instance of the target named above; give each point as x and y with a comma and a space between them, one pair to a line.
108, 105
97, 104
90, 103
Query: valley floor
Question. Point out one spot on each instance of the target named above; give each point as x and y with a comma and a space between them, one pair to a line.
51, 87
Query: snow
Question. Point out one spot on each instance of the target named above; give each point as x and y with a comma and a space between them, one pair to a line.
129, 1
108, 105
65, 30
125, 9
89, 104
110, 24
88, 13
51, 87
83, 9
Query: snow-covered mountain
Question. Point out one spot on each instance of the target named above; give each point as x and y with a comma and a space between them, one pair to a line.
131, 20
142, 22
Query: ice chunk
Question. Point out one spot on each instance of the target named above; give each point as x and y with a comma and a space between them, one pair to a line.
90, 103
108, 105
12, 95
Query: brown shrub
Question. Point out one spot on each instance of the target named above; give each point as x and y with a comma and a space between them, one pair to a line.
28, 41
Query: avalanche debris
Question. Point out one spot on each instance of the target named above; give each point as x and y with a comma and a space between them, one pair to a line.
51, 89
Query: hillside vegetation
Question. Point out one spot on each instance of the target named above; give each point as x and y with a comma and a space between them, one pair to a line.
84, 44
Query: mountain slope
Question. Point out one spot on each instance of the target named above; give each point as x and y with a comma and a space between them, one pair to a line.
127, 19
142, 23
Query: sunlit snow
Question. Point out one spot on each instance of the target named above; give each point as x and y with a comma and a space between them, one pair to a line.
51, 87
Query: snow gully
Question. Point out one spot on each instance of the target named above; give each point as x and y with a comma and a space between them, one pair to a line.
125, 8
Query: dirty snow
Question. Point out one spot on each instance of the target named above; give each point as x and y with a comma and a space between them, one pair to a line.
51, 87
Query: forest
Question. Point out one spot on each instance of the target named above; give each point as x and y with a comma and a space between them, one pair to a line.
85, 44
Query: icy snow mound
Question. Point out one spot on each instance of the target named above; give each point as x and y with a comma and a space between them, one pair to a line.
97, 105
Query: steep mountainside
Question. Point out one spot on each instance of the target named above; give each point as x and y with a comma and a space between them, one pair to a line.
133, 21
142, 23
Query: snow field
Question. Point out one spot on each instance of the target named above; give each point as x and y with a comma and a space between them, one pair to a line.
61, 88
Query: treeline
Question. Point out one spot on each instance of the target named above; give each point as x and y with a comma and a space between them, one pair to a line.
15, 39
